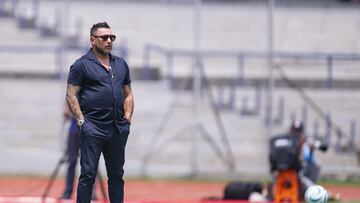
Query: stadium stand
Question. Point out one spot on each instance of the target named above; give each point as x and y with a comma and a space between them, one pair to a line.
30, 112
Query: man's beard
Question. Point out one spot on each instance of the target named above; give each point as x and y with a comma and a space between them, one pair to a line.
102, 51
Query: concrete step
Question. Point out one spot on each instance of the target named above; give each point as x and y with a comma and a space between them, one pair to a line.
38, 107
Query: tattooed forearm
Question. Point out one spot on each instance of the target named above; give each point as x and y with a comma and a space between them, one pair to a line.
129, 106
128, 102
72, 101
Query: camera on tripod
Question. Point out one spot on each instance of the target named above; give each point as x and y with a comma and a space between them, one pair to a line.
284, 153
318, 144
297, 129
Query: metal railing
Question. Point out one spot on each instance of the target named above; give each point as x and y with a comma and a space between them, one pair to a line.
328, 57
242, 55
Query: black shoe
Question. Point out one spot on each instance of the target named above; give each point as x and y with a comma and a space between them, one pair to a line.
65, 196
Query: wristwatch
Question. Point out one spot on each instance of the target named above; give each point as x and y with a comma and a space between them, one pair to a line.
80, 122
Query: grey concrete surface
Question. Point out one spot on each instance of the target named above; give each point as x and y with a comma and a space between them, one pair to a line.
31, 122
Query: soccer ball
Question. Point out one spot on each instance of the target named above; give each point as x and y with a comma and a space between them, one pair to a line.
316, 194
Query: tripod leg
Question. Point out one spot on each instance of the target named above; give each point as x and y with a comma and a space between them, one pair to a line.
101, 183
52, 178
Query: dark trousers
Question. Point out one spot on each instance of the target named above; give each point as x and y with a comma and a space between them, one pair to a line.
113, 150
312, 171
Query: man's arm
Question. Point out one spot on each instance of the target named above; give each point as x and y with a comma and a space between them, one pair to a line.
128, 102
72, 101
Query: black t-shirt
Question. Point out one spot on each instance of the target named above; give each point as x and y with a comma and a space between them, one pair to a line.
101, 96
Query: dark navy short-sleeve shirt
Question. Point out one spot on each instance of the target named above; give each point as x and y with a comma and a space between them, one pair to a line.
101, 96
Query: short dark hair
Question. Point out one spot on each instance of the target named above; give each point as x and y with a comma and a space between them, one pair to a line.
98, 25
297, 126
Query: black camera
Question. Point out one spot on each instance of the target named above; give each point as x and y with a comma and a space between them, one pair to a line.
318, 144
284, 153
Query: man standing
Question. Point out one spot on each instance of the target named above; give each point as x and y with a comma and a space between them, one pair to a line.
100, 98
